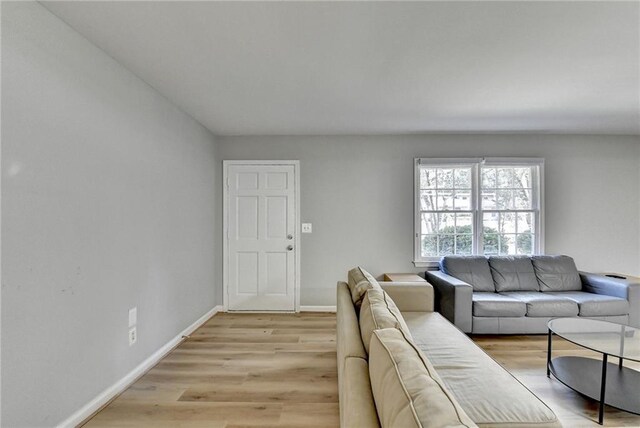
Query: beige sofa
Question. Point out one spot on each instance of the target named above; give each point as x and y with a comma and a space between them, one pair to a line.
402, 365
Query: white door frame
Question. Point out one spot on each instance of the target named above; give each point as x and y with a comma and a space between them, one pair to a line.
225, 226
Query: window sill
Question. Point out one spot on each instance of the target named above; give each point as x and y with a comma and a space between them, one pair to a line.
430, 265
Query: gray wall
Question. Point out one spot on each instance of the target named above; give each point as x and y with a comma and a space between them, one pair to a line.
108, 203
358, 193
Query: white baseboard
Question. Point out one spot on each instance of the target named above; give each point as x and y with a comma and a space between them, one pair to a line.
317, 308
108, 394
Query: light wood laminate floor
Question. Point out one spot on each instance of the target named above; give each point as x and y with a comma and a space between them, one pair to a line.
279, 370
239, 370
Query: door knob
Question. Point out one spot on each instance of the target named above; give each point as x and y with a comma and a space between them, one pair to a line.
290, 247
289, 237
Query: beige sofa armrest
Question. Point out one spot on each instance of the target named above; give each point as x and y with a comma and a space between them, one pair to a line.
357, 406
410, 296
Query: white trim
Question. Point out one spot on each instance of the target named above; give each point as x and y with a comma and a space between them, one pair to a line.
426, 264
317, 308
417, 251
86, 411
478, 242
448, 161
541, 210
512, 161
297, 222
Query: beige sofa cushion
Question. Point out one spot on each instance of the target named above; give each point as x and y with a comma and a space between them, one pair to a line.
468, 372
379, 311
359, 282
406, 389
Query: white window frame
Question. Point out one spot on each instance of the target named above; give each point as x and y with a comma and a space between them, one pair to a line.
476, 164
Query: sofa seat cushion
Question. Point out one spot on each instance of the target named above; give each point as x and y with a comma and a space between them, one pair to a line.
497, 305
360, 281
513, 273
469, 373
556, 273
595, 305
545, 304
474, 270
378, 311
406, 388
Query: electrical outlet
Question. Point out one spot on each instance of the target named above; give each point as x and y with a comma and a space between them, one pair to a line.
307, 228
133, 336
133, 316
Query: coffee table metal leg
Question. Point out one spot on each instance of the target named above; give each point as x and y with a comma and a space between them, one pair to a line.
549, 353
603, 388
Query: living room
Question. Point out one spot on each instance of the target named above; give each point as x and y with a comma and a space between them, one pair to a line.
123, 122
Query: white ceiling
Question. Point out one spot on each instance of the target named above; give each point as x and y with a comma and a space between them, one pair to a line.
386, 67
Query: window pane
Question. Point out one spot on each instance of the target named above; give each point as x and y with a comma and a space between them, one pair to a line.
427, 178
490, 244
429, 222
462, 200
507, 223
445, 199
488, 178
525, 222
524, 243
507, 246
428, 200
446, 223
462, 178
504, 199
504, 177
464, 223
490, 222
463, 244
523, 200
446, 244
429, 246
522, 177
489, 199
445, 178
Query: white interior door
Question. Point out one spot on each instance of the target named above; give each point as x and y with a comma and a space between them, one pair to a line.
261, 237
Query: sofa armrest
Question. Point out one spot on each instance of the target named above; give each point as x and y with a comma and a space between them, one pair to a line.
410, 296
618, 287
357, 405
453, 298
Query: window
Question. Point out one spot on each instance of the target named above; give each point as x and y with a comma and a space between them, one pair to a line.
477, 206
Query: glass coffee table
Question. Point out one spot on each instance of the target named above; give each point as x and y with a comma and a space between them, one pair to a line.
608, 383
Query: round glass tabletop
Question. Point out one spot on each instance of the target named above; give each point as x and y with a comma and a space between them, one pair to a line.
605, 337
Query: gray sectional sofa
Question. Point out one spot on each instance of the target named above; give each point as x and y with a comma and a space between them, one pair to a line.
519, 295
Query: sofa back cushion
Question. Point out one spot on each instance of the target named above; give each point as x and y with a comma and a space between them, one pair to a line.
556, 273
513, 273
359, 282
474, 270
406, 389
379, 311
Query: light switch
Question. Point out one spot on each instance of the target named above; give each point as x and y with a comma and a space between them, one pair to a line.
307, 228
